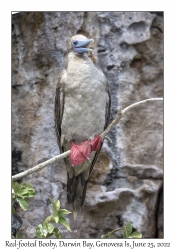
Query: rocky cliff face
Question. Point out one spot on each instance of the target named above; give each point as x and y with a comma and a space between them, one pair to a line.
127, 181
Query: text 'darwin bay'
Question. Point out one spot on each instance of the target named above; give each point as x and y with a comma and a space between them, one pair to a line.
88, 244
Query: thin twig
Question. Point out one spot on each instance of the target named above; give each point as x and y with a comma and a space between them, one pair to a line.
113, 231
140, 103
65, 154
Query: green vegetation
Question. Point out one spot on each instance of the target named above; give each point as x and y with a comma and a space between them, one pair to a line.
127, 232
46, 229
22, 192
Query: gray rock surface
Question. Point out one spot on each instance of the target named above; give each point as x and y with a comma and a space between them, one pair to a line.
127, 181
16, 223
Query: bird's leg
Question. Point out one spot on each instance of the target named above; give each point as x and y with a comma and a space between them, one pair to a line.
81, 152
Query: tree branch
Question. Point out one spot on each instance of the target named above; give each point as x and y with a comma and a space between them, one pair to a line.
41, 165
67, 153
140, 103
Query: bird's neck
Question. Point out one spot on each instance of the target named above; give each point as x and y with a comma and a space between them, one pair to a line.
79, 65
77, 57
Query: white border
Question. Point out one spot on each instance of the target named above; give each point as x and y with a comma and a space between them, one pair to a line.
5, 95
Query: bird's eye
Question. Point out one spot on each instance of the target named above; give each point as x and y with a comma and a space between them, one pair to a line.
75, 42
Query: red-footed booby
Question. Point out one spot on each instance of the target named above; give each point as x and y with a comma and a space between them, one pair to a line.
82, 109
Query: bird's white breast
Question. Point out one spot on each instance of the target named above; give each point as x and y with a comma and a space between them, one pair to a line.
85, 101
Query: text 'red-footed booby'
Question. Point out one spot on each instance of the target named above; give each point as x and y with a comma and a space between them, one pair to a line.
82, 109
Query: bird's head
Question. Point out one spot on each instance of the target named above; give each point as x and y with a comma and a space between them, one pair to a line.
79, 44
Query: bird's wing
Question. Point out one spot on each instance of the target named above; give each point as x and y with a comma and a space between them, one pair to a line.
59, 108
107, 117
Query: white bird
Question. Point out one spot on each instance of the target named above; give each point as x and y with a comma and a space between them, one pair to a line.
82, 109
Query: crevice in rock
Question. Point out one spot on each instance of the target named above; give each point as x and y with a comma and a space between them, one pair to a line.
16, 158
16, 223
137, 63
124, 45
156, 27
82, 29
110, 67
101, 50
160, 195
119, 220
137, 26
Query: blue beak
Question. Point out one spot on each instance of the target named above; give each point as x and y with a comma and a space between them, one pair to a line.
80, 46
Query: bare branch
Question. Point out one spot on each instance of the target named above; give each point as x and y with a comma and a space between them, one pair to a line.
121, 112
140, 103
41, 165
67, 153
113, 123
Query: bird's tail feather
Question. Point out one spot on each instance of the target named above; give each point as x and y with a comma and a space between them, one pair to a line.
76, 192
